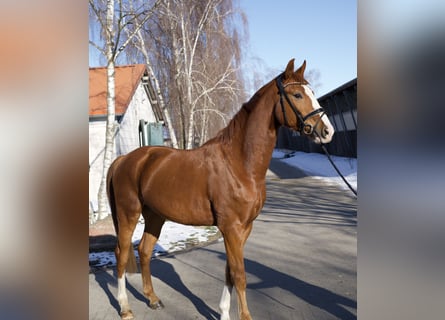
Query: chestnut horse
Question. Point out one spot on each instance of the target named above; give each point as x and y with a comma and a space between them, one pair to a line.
221, 183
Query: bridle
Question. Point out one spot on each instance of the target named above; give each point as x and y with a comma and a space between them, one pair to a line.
304, 127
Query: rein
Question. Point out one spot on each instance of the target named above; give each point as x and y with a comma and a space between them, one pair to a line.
303, 128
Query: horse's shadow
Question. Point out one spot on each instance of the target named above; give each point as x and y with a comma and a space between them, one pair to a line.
105, 280
165, 272
317, 296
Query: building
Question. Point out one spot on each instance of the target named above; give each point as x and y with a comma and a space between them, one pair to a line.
135, 101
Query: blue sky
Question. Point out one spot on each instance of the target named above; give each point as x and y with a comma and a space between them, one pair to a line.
324, 32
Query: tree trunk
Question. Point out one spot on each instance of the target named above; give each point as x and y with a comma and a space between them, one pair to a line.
190, 133
111, 110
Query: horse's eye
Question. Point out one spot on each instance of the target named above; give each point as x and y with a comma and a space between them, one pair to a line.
298, 95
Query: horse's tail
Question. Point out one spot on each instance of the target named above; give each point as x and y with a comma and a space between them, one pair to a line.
131, 264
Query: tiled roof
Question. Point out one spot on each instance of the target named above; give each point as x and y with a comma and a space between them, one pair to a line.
127, 79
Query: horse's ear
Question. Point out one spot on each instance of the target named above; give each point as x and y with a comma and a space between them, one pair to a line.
300, 72
289, 69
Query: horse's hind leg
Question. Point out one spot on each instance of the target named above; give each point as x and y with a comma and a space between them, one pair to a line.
124, 252
153, 226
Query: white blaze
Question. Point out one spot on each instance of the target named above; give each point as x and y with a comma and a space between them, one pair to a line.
324, 118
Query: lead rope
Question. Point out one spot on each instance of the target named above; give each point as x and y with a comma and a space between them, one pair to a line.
338, 171
335, 167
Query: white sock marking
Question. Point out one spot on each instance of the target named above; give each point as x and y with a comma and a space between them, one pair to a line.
122, 293
224, 304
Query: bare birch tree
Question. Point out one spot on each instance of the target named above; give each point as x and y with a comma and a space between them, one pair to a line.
140, 45
195, 47
114, 22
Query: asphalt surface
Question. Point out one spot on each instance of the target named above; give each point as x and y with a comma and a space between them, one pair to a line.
300, 262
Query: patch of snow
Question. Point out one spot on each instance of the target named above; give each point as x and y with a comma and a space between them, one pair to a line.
174, 237
318, 166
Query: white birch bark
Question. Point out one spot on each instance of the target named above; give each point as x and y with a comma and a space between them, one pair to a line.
110, 126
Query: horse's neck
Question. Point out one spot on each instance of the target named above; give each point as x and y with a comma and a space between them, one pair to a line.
257, 137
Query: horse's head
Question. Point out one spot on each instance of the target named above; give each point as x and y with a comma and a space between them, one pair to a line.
298, 109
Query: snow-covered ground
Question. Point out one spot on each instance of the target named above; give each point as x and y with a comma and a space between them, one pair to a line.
175, 237
318, 166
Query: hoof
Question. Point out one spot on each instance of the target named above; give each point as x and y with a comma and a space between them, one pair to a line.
157, 305
127, 315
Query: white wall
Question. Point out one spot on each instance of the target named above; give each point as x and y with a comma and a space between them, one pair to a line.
139, 108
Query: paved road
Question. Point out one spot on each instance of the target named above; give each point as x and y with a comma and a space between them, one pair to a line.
300, 263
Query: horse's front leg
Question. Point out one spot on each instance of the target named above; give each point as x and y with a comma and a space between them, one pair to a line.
224, 304
234, 240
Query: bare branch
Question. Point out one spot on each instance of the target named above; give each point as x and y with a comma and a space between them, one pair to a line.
101, 50
219, 113
98, 14
148, 14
